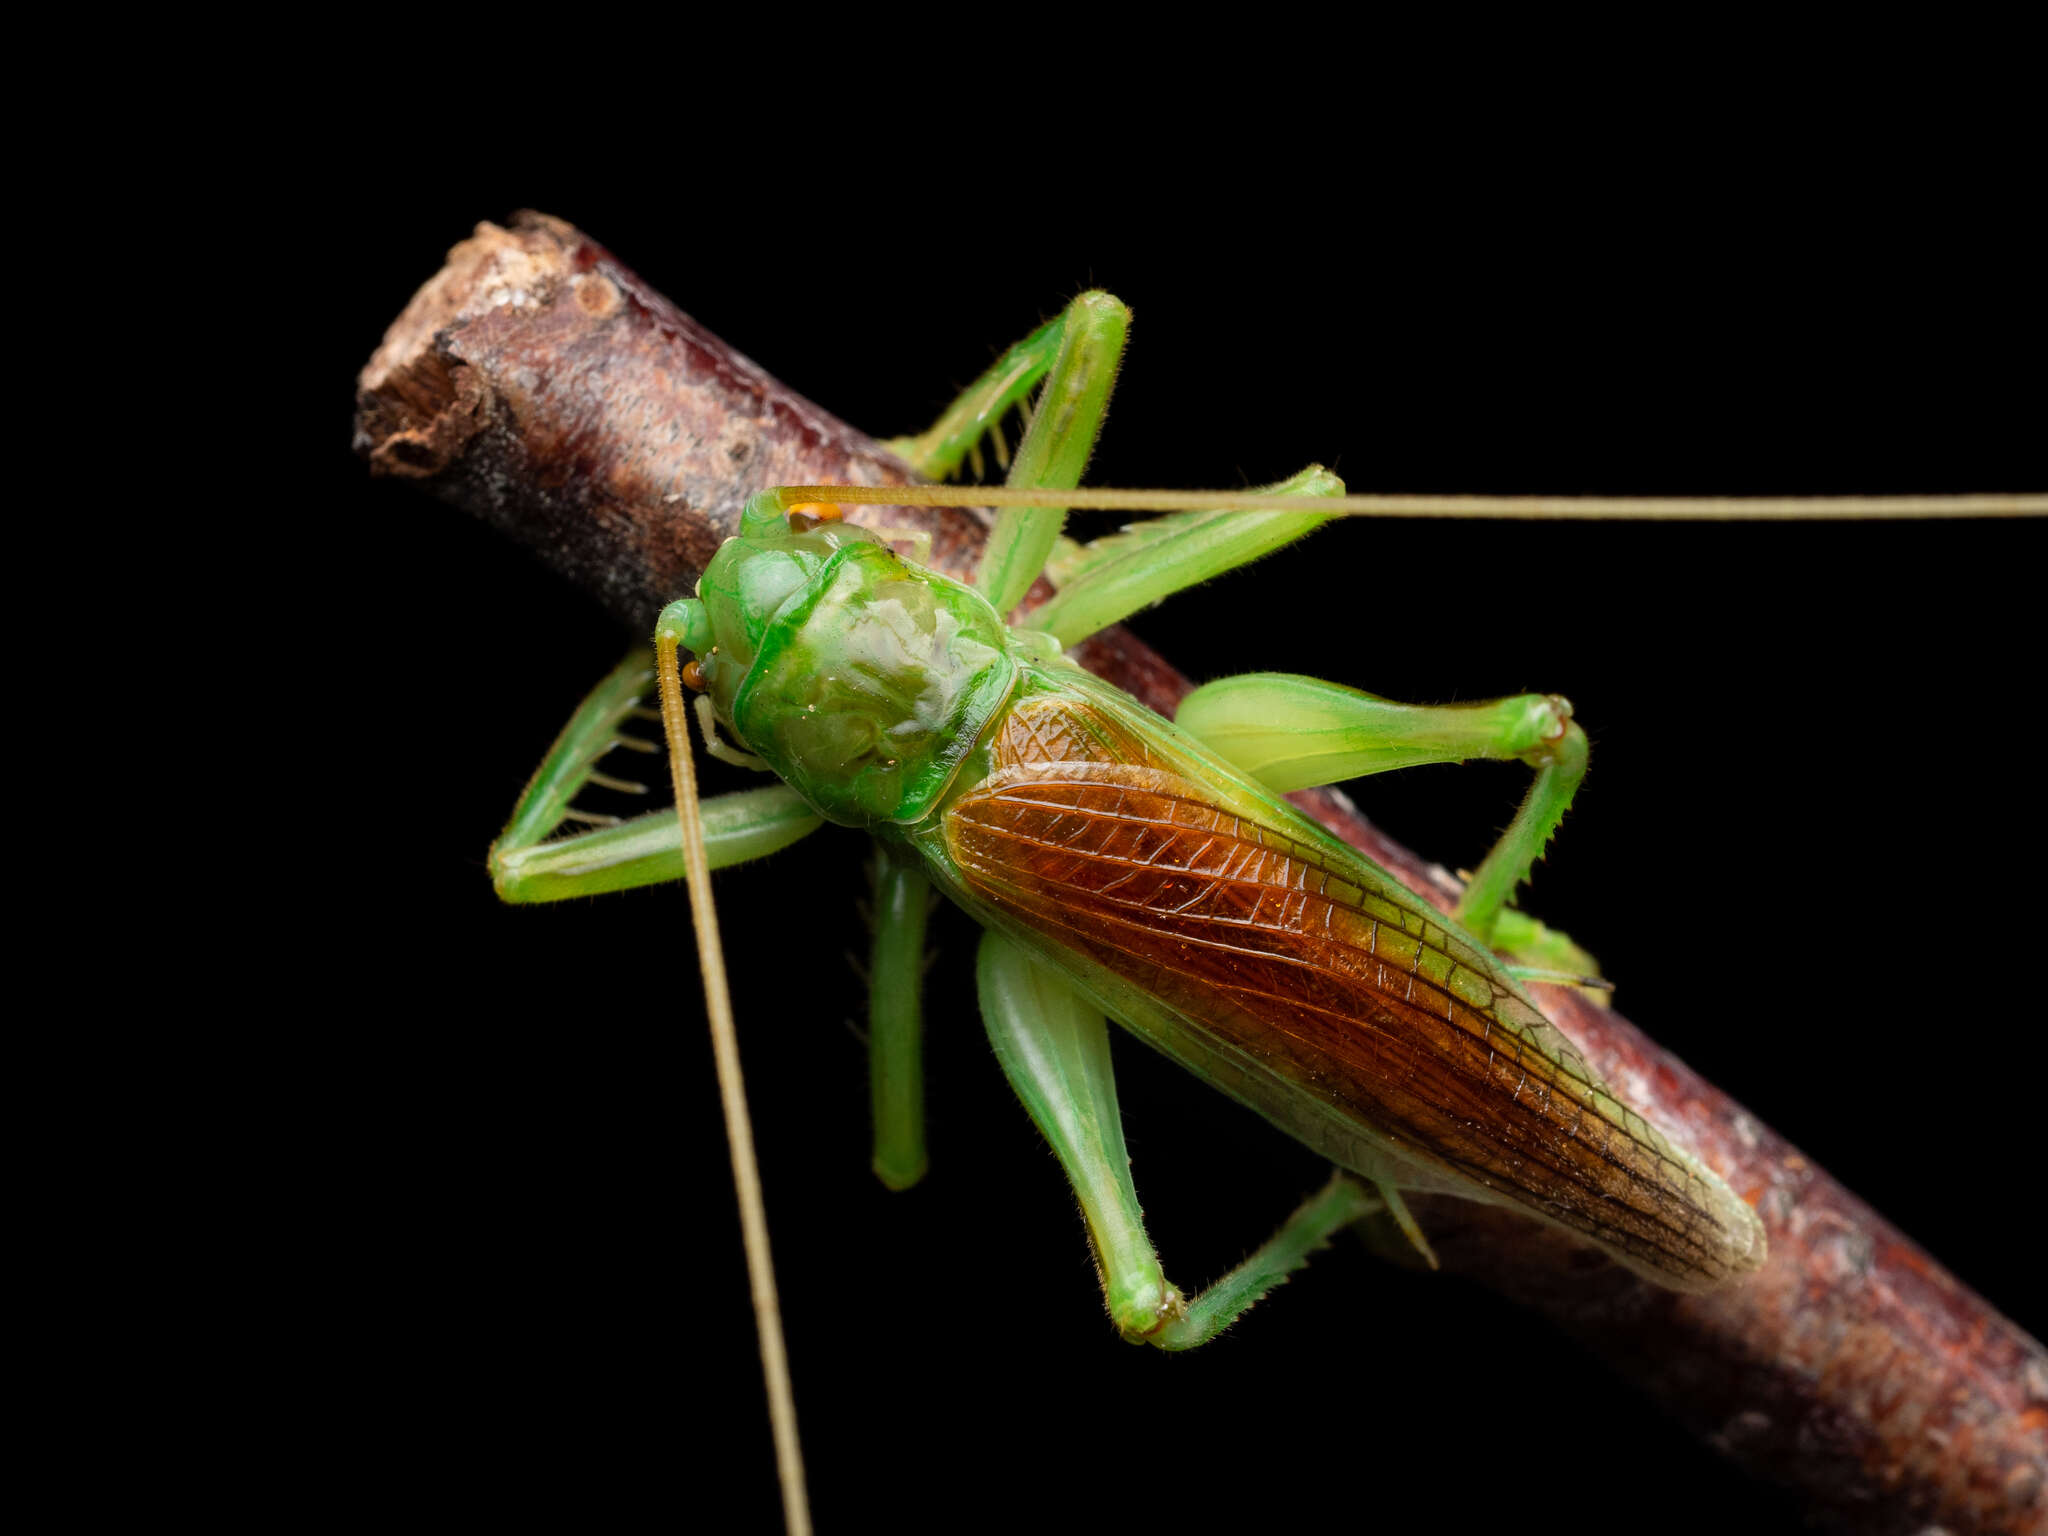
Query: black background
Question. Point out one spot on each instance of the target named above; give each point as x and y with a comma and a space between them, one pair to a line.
1807, 852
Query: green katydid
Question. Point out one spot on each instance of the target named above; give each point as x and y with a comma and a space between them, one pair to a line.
1701, 1236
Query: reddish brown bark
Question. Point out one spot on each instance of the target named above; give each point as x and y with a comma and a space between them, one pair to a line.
539, 384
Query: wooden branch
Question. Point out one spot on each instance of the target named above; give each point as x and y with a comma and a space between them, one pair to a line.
539, 384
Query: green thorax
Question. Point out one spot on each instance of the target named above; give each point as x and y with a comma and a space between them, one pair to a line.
862, 679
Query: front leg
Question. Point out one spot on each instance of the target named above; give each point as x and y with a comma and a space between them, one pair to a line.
531, 863
1077, 356
1055, 450
936, 453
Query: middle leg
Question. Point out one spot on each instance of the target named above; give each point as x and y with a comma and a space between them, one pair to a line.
1076, 355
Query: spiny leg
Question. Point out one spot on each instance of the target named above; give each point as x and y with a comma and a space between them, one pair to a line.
1054, 1048
1076, 355
1293, 732
739, 827
1055, 450
895, 1017
1319, 1218
937, 452
1560, 769
530, 864
593, 731
1112, 577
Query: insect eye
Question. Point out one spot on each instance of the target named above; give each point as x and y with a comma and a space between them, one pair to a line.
693, 676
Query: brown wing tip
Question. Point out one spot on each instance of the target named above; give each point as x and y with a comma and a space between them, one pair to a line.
1740, 1250
1756, 1246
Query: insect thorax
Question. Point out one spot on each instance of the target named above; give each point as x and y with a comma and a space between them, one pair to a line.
866, 679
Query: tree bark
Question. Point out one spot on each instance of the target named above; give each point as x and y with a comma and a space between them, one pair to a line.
537, 383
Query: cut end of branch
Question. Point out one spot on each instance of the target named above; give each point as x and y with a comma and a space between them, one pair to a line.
417, 407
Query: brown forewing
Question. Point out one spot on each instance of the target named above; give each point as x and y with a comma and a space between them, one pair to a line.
1278, 947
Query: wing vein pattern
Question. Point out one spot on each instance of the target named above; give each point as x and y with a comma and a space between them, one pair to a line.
1300, 956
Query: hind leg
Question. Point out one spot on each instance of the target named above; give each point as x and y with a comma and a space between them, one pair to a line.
1054, 1047
1294, 732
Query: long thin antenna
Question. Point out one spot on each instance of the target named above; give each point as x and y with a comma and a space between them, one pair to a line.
1685, 509
739, 1128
